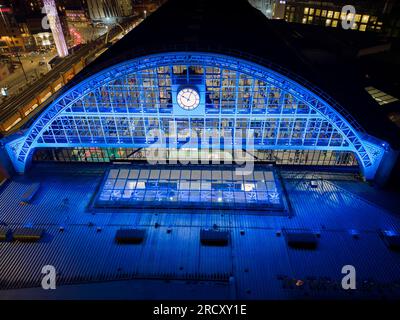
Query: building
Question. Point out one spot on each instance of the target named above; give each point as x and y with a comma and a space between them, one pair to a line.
80, 28
29, 16
143, 8
13, 35
375, 16
265, 6
44, 40
190, 83
272, 112
109, 11
126, 8
272, 9
76, 16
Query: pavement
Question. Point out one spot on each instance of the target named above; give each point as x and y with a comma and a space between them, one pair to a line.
16, 80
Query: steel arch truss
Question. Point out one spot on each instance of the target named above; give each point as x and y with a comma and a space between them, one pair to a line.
285, 112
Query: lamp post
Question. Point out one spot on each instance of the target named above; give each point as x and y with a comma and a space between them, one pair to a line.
12, 42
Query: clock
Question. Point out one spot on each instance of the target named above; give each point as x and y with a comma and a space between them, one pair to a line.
188, 98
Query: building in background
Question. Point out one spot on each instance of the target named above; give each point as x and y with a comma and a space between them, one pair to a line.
143, 8
44, 40
273, 9
265, 6
298, 132
13, 35
77, 18
30, 7
79, 26
126, 7
29, 16
376, 16
109, 11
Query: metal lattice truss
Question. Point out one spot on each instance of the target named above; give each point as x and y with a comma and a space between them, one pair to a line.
118, 106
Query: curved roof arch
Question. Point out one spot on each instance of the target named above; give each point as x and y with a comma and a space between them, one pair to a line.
21, 148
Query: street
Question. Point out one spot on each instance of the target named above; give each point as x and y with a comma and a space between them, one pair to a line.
16, 81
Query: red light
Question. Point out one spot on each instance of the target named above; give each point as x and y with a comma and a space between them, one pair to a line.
5, 10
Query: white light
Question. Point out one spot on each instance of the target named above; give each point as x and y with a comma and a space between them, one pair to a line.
141, 185
248, 186
56, 29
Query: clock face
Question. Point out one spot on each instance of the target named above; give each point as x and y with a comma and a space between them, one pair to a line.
188, 98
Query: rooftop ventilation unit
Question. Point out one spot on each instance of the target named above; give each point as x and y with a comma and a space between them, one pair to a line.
214, 237
301, 239
130, 236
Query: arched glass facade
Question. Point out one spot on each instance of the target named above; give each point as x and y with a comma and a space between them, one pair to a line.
118, 107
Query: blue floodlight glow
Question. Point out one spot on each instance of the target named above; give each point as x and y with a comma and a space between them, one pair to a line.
119, 105
191, 187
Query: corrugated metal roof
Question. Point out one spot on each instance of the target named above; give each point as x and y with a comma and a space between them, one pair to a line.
259, 260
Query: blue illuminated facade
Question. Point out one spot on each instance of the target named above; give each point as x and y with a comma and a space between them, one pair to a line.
118, 106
